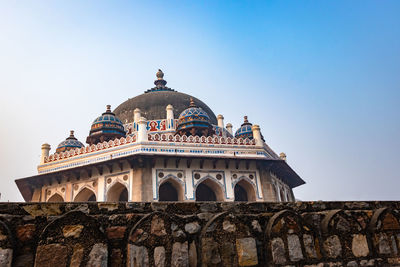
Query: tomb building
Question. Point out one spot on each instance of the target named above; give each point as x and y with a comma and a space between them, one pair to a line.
162, 145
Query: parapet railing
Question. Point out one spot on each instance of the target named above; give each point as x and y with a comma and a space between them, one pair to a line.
162, 138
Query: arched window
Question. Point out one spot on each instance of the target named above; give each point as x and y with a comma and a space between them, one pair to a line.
55, 198
244, 191
167, 192
209, 190
85, 195
117, 192
170, 190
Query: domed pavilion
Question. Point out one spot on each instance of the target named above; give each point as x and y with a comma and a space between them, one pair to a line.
162, 145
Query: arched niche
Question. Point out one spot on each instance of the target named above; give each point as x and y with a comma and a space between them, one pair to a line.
170, 190
59, 240
117, 192
345, 232
56, 198
208, 190
287, 229
225, 234
85, 195
385, 227
168, 233
244, 191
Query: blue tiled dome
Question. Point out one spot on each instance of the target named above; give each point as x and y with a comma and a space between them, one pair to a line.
193, 117
245, 130
105, 127
70, 143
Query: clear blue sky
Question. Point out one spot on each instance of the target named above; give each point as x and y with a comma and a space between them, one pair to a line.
321, 78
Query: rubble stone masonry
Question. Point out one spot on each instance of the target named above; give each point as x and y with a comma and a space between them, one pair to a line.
311, 234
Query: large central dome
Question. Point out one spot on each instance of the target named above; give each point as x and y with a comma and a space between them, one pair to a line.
154, 102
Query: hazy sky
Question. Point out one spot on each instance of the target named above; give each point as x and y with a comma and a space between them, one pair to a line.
321, 78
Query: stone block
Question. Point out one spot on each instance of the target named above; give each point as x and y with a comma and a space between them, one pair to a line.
256, 226
294, 246
42, 210
98, 256
116, 232
192, 227
157, 226
394, 261
367, 263
25, 232
5, 257
77, 256
51, 255
228, 226
390, 222
72, 230
309, 246
180, 255
210, 255
247, 251
352, 264
138, 236
278, 251
332, 247
137, 256
359, 245
107, 206
159, 257
383, 243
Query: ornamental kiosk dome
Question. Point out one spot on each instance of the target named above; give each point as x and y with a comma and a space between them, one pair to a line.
153, 102
194, 121
70, 143
106, 127
245, 130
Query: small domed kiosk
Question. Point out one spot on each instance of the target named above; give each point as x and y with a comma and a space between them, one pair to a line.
245, 130
194, 121
106, 127
69, 143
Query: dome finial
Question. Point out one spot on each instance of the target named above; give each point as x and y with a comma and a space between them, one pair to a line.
160, 82
108, 108
192, 104
245, 119
71, 133
160, 74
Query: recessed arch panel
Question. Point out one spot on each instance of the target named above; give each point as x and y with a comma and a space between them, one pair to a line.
117, 192
208, 190
85, 195
170, 190
244, 191
56, 198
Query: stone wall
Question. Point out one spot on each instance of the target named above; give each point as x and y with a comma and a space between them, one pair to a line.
200, 234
